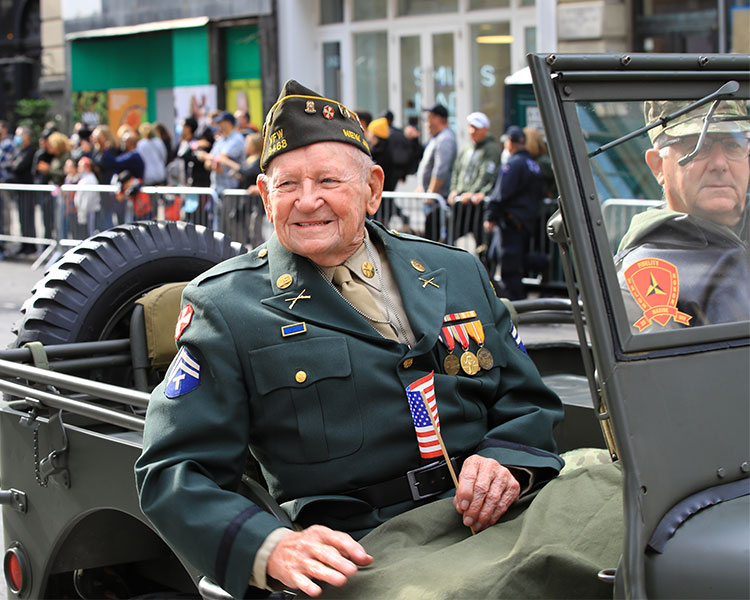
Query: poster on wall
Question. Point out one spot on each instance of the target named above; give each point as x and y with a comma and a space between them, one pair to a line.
245, 94
193, 101
126, 107
90, 108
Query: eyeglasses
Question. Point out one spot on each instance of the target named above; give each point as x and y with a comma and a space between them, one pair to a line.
733, 147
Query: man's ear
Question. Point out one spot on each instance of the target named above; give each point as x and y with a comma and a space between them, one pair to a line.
262, 183
375, 183
656, 163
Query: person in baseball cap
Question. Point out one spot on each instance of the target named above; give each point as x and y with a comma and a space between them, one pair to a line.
478, 120
302, 117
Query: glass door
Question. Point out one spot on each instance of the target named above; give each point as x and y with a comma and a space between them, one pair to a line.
427, 74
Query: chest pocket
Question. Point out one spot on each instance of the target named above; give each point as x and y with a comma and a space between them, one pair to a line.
307, 409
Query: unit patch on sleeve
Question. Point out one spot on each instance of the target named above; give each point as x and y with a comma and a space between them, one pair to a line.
186, 315
185, 376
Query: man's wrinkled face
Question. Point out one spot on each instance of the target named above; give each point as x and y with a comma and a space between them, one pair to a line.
713, 185
317, 198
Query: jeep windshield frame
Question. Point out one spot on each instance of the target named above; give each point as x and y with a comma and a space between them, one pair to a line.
675, 400
563, 83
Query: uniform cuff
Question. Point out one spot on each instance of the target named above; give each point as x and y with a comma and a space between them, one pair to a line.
258, 578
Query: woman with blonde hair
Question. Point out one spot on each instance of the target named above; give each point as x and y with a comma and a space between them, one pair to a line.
537, 148
154, 155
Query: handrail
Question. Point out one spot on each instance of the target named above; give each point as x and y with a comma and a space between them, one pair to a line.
77, 384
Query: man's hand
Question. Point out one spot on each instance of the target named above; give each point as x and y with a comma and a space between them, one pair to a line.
486, 489
316, 553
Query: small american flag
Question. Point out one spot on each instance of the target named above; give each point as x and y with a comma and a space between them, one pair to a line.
427, 439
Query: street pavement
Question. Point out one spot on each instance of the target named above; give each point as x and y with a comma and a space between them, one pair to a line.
17, 278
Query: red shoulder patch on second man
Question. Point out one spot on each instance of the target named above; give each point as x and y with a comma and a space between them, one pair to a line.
186, 315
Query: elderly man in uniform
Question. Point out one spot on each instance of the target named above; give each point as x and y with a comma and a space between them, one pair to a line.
314, 351
699, 239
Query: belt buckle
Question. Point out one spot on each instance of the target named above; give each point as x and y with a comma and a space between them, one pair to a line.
412, 477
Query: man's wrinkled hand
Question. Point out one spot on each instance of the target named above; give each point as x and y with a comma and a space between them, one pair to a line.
486, 489
316, 553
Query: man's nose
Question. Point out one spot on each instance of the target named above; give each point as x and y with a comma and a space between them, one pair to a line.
308, 199
716, 158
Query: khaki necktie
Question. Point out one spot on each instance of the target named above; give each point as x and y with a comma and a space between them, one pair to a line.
359, 296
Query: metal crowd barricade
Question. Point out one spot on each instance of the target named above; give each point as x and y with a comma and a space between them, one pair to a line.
617, 214
423, 214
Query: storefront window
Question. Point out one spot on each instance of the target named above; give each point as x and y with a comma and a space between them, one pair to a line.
369, 9
411, 80
481, 4
490, 65
371, 68
443, 74
331, 11
530, 35
332, 69
426, 7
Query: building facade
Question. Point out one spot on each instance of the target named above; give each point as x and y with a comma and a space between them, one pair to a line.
114, 60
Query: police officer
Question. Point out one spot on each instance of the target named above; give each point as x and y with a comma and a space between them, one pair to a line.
513, 205
304, 350
698, 240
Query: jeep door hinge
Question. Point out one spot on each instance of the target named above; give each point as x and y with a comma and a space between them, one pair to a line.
16, 499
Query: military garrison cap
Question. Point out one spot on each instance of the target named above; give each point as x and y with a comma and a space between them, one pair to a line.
302, 117
730, 116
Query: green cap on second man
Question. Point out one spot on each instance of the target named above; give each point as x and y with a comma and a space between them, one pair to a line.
730, 116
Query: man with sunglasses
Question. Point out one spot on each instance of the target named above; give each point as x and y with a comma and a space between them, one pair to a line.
697, 245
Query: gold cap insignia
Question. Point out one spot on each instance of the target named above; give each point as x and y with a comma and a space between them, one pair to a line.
284, 281
418, 266
344, 111
310, 107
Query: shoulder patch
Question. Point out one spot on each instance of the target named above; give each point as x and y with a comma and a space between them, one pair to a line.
517, 338
186, 315
185, 376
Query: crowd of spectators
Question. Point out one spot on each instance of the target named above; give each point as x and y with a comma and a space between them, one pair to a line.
221, 155
225, 155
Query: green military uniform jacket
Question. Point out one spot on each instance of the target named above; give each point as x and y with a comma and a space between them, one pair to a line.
476, 167
323, 411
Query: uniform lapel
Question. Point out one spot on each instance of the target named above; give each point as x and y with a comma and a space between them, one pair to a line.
324, 306
423, 293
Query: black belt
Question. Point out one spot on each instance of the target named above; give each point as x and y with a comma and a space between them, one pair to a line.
418, 484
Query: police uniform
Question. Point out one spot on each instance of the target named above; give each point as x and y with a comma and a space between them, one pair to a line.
513, 205
273, 358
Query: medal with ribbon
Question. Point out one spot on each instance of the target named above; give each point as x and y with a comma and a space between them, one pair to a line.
469, 362
450, 363
484, 356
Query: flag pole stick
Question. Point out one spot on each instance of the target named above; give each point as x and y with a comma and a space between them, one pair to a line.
442, 446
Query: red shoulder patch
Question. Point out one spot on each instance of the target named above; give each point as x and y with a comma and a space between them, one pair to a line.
186, 315
655, 285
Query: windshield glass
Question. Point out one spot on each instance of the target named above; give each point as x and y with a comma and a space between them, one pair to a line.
673, 202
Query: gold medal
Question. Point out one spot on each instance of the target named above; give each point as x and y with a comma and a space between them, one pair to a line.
485, 358
451, 364
368, 270
469, 363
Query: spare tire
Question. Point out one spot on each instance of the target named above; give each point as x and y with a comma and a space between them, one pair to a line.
89, 293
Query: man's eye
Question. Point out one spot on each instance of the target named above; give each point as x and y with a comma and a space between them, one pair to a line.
731, 145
